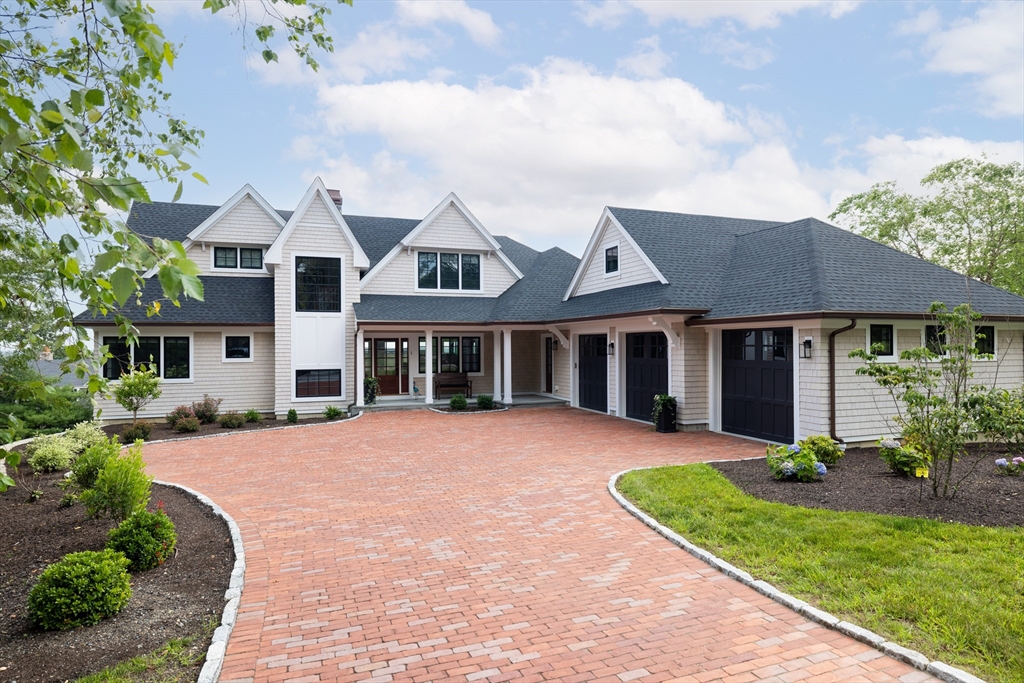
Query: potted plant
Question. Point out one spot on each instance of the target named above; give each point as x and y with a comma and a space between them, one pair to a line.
371, 385
664, 414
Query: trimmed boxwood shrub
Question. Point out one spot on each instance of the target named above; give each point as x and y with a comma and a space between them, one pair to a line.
187, 424
146, 538
293, 416
485, 402
179, 413
140, 431
80, 590
458, 402
89, 464
232, 420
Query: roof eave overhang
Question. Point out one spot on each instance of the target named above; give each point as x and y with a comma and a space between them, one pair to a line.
163, 323
818, 315
541, 322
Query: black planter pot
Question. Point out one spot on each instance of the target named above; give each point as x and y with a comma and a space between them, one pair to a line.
370, 395
666, 422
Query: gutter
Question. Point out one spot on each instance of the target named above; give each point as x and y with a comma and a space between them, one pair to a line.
832, 378
874, 315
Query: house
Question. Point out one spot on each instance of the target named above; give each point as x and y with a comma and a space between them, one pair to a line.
748, 323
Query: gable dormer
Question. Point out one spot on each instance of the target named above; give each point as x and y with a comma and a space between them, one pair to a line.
611, 260
449, 253
235, 237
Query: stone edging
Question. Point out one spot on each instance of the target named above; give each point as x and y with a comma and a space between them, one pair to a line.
231, 432
215, 653
469, 412
916, 659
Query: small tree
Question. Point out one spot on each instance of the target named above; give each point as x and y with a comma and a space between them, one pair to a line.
936, 403
137, 389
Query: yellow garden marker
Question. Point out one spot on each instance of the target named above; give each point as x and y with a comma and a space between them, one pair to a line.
921, 472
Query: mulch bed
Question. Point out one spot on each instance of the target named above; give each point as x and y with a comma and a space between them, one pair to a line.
470, 409
175, 600
861, 481
163, 431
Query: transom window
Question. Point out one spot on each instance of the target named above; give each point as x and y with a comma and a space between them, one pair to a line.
168, 356
233, 258
882, 340
985, 339
317, 284
448, 270
611, 260
313, 383
455, 353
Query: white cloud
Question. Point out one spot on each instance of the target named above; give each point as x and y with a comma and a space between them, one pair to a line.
751, 13
926, 21
742, 54
988, 46
538, 159
647, 61
477, 23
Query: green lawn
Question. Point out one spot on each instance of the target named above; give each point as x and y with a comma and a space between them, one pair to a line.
177, 662
951, 591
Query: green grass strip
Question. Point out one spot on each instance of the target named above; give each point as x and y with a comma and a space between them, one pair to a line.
175, 662
951, 591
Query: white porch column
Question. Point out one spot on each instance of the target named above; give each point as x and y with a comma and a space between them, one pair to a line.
360, 369
507, 359
429, 389
496, 350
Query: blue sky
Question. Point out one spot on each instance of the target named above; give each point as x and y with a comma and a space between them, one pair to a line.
538, 114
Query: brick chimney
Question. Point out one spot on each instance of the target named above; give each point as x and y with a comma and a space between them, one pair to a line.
46, 354
335, 197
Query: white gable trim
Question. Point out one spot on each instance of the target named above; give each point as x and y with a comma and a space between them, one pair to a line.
607, 217
406, 242
359, 259
246, 191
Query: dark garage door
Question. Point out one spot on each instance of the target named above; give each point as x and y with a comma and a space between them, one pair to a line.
646, 372
594, 372
757, 383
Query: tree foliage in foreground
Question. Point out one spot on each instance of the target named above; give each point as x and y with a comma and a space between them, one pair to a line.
970, 220
85, 127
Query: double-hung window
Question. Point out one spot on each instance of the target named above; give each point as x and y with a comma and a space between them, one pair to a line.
882, 341
317, 284
235, 258
448, 270
168, 356
611, 260
985, 339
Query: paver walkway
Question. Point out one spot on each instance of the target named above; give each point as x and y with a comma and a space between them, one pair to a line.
414, 546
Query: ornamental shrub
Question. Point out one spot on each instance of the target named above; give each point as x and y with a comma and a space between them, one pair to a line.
253, 415
51, 453
902, 460
140, 431
88, 465
187, 425
823, 448
793, 462
333, 412
85, 434
179, 413
232, 420
121, 488
485, 402
207, 409
137, 389
1012, 468
80, 590
293, 416
458, 402
146, 538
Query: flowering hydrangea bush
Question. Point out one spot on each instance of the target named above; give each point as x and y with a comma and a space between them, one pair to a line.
794, 462
902, 460
1012, 468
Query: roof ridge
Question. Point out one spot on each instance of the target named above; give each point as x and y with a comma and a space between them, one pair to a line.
698, 215
816, 267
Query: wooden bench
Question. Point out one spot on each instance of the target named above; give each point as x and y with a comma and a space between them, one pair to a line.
452, 380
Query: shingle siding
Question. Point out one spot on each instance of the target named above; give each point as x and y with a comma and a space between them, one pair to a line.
245, 223
526, 360
694, 364
451, 230
399, 277
562, 374
632, 269
813, 389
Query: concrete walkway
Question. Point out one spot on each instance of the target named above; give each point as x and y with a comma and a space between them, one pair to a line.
415, 546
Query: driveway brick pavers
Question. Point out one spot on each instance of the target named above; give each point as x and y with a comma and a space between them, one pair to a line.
414, 546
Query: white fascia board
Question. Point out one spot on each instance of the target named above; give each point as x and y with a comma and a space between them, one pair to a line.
602, 225
359, 258
406, 242
246, 191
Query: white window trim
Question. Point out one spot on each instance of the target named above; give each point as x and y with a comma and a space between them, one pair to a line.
438, 290
224, 346
604, 259
892, 358
131, 352
238, 269
317, 399
995, 343
414, 347
295, 365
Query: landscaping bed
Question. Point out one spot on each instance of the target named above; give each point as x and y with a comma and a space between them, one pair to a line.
178, 599
163, 431
951, 591
861, 481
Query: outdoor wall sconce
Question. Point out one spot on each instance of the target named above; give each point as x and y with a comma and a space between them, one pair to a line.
805, 348
611, 348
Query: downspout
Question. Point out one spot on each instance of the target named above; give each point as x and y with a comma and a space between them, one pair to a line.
832, 378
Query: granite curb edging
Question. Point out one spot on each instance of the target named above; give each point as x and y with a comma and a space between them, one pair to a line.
232, 432
468, 412
917, 660
210, 672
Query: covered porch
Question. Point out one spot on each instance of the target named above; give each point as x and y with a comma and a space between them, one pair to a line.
421, 367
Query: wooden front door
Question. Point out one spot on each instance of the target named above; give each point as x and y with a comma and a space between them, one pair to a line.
593, 372
386, 365
549, 363
646, 372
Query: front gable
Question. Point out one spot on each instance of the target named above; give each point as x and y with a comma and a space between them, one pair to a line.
634, 266
318, 211
246, 218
